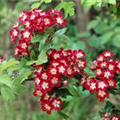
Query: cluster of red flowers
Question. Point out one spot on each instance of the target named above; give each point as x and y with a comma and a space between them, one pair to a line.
105, 68
30, 23
1, 59
108, 116
51, 75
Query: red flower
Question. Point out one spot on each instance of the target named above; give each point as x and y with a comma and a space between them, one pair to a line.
56, 104
112, 83
102, 94
46, 107
102, 85
1, 59
55, 81
27, 34
115, 117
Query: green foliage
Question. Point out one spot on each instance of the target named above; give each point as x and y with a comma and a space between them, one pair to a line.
98, 3
36, 39
9, 84
7, 94
68, 8
42, 58
38, 4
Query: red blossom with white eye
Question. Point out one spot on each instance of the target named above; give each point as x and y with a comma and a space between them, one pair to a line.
103, 64
1, 59
14, 34
37, 93
45, 97
115, 117
53, 71
55, 81
83, 80
98, 72
46, 107
101, 58
92, 85
62, 69
27, 34
60, 21
112, 66
102, 85
56, 104
44, 86
37, 80
102, 94
112, 83
107, 74
81, 64
107, 54
44, 76
106, 114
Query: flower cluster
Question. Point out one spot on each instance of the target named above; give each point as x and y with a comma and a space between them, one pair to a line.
105, 69
61, 63
1, 59
30, 23
108, 116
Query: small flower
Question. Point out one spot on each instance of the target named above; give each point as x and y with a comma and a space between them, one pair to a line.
56, 104
102, 94
115, 117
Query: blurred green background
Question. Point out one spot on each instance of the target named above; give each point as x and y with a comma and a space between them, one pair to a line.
91, 29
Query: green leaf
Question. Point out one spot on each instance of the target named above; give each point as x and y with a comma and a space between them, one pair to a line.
5, 80
68, 7
94, 41
112, 2
47, 1
109, 106
35, 5
38, 4
116, 41
83, 93
21, 77
63, 115
105, 38
8, 64
37, 38
79, 45
30, 62
73, 90
84, 34
64, 104
89, 2
92, 24
7, 94
42, 58
18, 88
61, 31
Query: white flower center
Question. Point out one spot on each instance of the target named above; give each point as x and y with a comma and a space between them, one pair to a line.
59, 20
101, 93
47, 21
45, 85
107, 74
15, 33
61, 69
55, 80
53, 71
44, 76
56, 103
24, 46
26, 34
101, 85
